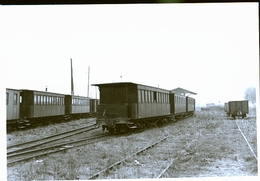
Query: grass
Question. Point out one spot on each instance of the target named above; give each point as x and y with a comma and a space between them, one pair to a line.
210, 146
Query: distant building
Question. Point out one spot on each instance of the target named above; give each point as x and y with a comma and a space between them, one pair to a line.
210, 104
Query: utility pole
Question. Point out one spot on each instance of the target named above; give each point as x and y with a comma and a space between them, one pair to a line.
72, 88
88, 80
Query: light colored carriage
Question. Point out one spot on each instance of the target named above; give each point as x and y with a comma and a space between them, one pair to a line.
12, 107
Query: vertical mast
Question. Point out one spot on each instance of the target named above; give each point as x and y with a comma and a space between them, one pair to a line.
72, 88
88, 80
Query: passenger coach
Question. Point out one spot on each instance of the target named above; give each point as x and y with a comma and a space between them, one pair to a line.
121, 104
40, 104
77, 106
12, 106
125, 105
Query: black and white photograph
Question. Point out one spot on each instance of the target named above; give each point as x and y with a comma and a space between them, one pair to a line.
130, 91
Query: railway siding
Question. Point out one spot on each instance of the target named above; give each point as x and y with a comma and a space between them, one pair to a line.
212, 146
207, 144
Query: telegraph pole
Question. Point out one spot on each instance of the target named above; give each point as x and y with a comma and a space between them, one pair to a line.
72, 87
88, 80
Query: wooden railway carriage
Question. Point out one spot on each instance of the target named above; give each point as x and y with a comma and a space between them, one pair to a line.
77, 106
190, 103
39, 104
24, 107
123, 104
180, 103
12, 107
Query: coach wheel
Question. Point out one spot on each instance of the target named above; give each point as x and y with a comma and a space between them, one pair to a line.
118, 128
111, 130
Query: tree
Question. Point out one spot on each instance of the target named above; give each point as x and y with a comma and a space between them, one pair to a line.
250, 95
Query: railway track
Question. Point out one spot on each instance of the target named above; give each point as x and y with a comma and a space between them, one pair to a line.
125, 158
51, 144
34, 143
249, 133
151, 146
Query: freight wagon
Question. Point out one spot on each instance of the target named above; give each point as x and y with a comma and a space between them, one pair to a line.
236, 108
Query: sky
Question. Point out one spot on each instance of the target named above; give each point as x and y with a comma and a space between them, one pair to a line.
210, 49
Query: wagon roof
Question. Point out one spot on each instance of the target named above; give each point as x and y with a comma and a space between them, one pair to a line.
113, 83
118, 83
42, 92
181, 90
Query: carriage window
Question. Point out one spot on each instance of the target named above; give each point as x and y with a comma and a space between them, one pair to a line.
139, 96
15, 99
7, 98
155, 96
148, 96
142, 95
54, 100
163, 95
35, 99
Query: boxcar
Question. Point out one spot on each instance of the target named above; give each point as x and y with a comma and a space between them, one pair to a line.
39, 104
12, 107
123, 103
237, 108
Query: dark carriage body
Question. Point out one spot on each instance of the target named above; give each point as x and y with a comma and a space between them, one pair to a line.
126, 103
40, 104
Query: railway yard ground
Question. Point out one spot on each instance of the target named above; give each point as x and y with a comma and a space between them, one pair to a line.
208, 144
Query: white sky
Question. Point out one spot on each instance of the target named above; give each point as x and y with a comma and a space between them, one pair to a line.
211, 49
